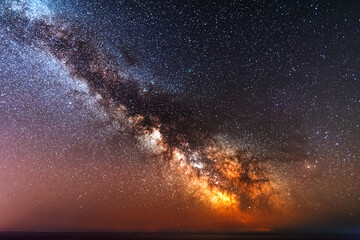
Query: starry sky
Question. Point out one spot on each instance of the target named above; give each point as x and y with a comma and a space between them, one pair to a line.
182, 116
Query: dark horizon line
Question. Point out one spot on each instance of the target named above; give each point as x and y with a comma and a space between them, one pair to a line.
304, 233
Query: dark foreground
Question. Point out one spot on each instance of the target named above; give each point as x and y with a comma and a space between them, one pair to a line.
148, 236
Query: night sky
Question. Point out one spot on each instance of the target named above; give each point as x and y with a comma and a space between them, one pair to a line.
180, 115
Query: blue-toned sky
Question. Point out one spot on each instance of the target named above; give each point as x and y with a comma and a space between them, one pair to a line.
179, 115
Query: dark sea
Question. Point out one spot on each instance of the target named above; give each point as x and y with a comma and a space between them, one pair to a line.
148, 236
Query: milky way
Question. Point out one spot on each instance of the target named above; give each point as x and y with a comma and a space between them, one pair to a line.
246, 129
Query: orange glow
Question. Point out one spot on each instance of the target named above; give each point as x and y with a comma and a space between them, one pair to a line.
231, 182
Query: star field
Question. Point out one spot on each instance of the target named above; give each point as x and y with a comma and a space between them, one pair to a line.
179, 115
